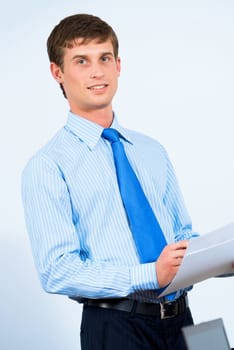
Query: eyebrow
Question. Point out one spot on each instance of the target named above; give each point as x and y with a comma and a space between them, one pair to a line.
108, 53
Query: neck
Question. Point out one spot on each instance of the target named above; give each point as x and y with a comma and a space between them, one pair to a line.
101, 117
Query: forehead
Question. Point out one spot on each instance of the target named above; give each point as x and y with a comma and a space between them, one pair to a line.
86, 47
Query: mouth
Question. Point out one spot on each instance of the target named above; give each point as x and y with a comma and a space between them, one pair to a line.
98, 87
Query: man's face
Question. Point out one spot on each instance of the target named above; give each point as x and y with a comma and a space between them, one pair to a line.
89, 76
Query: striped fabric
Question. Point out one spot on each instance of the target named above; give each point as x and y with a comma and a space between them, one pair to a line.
76, 222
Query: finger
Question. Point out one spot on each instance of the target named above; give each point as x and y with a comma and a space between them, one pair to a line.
181, 245
178, 253
177, 261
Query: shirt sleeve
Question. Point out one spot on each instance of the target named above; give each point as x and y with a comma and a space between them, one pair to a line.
174, 202
57, 248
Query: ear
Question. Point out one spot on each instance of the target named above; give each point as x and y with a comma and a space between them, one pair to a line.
56, 72
118, 65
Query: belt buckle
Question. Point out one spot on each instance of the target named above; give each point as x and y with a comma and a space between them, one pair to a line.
168, 310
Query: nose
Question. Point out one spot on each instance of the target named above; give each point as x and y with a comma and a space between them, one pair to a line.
96, 71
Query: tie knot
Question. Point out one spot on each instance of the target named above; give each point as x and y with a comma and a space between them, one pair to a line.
111, 135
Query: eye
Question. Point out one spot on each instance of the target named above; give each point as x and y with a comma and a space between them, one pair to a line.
105, 58
82, 61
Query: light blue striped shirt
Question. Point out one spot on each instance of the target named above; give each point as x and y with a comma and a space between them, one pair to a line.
81, 241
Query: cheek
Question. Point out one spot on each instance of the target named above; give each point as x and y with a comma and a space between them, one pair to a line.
73, 82
116, 78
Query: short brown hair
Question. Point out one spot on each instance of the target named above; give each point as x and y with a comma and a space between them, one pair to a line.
84, 26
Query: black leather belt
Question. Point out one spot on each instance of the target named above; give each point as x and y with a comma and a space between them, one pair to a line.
162, 310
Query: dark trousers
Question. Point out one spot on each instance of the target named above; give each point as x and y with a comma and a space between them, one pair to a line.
105, 329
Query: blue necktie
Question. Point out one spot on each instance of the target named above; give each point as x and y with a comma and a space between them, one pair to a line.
146, 231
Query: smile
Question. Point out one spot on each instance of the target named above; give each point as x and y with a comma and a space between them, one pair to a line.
97, 87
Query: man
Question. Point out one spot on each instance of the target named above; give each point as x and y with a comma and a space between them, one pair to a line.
78, 222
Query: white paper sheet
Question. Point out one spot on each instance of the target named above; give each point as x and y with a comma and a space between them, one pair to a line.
209, 255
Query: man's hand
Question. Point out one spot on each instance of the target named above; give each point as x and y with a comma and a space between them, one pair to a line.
169, 262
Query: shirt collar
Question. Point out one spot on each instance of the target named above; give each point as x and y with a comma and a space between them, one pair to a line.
90, 132
123, 132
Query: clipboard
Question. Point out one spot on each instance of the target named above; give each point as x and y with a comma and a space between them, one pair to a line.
208, 255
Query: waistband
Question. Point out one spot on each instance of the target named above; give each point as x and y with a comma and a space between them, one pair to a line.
162, 310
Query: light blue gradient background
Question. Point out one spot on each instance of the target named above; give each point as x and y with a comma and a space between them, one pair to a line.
177, 84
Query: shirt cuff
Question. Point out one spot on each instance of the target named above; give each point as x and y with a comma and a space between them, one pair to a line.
144, 277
